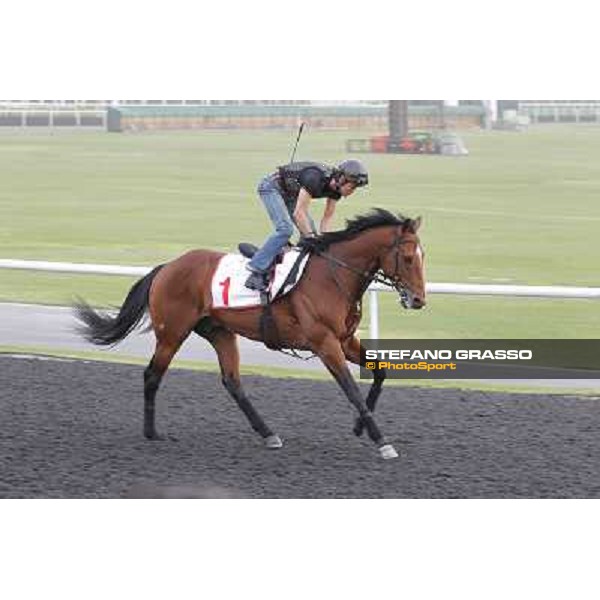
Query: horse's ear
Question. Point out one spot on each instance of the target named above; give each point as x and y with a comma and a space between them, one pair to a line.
412, 225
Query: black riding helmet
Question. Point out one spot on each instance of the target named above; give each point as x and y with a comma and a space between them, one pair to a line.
354, 171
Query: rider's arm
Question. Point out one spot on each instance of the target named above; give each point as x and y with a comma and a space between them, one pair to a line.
301, 212
328, 215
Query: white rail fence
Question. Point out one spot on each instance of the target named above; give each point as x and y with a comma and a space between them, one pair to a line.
462, 289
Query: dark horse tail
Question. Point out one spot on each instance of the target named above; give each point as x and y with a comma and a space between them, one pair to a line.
104, 329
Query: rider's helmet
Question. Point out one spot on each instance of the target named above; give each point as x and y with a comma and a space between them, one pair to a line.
354, 171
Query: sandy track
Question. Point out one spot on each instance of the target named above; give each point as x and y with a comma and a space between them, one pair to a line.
73, 430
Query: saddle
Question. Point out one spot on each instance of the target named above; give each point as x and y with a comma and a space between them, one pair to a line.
228, 287
267, 324
246, 249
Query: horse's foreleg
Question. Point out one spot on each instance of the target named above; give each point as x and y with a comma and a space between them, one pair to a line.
332, 355
355, 353
225, 344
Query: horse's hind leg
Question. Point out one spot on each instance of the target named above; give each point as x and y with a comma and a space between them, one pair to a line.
153, 375
355, 353
225, 344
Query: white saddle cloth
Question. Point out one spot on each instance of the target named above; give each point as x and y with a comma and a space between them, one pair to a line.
228, 289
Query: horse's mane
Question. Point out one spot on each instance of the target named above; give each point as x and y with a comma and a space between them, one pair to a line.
376, 217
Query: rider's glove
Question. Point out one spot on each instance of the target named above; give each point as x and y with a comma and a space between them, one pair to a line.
308, 241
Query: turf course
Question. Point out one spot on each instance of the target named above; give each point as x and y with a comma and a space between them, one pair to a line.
523, 208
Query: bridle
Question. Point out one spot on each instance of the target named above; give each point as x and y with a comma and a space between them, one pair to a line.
394, 281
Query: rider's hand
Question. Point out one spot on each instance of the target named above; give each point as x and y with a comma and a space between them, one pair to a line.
308, 241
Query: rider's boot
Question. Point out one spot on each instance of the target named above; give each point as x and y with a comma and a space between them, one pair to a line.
258, 280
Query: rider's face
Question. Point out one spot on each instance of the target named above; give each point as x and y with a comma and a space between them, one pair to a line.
347, 187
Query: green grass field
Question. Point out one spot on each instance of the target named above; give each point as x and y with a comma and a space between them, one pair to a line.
523, 208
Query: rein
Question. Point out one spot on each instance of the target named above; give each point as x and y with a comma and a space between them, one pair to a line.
368, 277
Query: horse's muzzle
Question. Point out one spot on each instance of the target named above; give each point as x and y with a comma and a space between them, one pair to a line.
409, 300
418, 303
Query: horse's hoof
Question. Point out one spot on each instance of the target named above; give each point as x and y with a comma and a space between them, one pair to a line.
388, 451
155, 437
273, 442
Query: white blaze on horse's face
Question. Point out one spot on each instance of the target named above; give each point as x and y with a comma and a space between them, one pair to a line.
412, 288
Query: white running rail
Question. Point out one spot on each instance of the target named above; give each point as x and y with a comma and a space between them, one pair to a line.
463, 289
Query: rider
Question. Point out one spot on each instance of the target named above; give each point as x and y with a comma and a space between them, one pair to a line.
287, 194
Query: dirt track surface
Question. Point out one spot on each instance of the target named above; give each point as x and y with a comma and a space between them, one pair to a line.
73, 430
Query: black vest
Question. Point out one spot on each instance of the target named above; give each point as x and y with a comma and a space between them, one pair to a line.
289, 181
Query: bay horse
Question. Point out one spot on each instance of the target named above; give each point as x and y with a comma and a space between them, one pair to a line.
320, 314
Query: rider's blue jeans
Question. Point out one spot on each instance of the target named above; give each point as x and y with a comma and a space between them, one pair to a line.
284, 226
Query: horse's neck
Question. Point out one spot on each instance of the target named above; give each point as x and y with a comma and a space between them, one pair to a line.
361, 252
361, 255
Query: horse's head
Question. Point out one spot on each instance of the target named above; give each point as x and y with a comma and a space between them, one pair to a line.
402, 261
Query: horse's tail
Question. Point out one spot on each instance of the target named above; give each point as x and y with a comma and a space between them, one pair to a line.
104, 329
